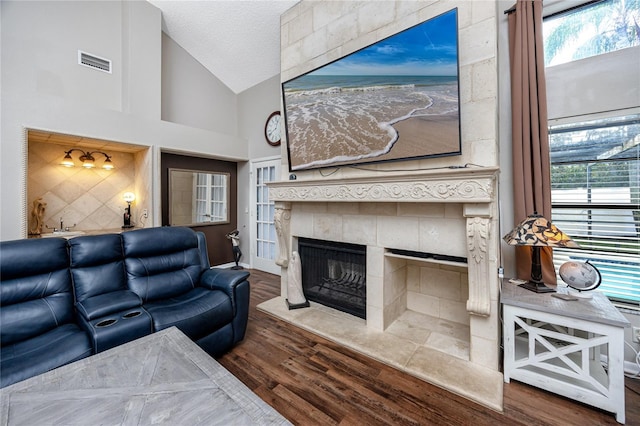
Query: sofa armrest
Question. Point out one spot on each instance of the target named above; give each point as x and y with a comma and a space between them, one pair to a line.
108, 303
235, 284
223, 279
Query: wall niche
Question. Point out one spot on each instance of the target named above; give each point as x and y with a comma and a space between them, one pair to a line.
88, 200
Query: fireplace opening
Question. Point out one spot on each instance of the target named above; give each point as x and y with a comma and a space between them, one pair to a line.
334, 274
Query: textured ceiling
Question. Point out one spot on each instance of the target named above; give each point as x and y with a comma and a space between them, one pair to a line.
238, 41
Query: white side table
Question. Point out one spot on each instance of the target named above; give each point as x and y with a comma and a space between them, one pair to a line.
555, 345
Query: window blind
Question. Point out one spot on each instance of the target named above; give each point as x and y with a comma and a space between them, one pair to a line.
595, 180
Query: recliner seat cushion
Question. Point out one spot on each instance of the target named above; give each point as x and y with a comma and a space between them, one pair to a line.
196, 313
60, 346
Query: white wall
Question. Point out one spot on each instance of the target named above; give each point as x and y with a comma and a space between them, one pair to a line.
600, 83
43, 87
191, 95
254, 107
505, 196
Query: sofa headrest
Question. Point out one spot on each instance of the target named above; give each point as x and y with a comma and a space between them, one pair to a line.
155, 241
20, 258
92, 250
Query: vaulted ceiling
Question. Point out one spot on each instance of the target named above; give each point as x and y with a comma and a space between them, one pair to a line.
238, 41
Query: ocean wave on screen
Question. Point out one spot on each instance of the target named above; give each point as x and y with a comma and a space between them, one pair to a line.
387, 127
336, 90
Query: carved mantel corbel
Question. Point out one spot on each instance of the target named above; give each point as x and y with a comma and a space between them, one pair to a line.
282, 223
478, 234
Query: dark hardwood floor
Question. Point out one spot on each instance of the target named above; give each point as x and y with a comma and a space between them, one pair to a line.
312, 381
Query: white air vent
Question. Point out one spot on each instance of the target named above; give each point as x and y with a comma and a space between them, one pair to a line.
94, 62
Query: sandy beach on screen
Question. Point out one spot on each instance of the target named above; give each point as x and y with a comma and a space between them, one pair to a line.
422, 136
427, 135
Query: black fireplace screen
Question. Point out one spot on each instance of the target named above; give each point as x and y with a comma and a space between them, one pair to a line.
334, 274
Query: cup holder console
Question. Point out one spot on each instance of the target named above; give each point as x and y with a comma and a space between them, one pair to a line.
128, 315
119, 327
106, 323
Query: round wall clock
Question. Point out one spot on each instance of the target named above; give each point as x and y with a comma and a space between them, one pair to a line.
272, 129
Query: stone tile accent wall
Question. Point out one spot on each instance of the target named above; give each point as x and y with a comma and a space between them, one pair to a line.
143, 183
314, 33
89, 198
345, 205
393, 284
440, 291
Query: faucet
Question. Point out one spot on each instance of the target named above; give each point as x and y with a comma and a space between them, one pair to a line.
62, 227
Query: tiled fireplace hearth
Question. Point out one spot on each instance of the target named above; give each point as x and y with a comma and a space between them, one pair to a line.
431, 276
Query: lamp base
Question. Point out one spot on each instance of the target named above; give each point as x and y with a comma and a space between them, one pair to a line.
537, 287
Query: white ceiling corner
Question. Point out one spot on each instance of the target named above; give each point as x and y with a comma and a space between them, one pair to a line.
238, 41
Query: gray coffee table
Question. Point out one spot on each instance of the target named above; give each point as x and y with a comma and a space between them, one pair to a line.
163, 378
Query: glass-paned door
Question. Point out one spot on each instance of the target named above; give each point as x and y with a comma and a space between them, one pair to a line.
264, 244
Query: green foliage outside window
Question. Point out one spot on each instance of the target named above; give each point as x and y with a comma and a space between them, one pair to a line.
595, 29
590, 175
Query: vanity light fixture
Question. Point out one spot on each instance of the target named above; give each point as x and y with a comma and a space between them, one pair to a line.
88, 162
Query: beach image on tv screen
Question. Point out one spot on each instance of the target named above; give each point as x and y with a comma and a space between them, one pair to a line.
396, 99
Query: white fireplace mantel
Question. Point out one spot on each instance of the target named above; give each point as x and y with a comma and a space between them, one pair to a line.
473, 187
449, 185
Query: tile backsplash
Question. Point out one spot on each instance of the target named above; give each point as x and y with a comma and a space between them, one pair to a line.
90, 199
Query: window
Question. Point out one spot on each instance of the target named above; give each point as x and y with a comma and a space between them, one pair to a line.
595, 161
198, 197
595, 175
592, 29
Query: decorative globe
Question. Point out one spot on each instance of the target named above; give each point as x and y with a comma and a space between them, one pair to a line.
581, 276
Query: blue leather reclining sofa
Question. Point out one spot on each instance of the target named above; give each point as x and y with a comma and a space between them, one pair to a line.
63, 300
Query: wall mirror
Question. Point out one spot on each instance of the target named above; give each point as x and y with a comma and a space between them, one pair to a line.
198, 197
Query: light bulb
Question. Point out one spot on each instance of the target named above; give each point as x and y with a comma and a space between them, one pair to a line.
67, 161
108, 165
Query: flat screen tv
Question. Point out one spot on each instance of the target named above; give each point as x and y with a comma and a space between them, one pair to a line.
397, 99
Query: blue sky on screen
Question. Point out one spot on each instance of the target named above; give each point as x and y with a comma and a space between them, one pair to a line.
428, 49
